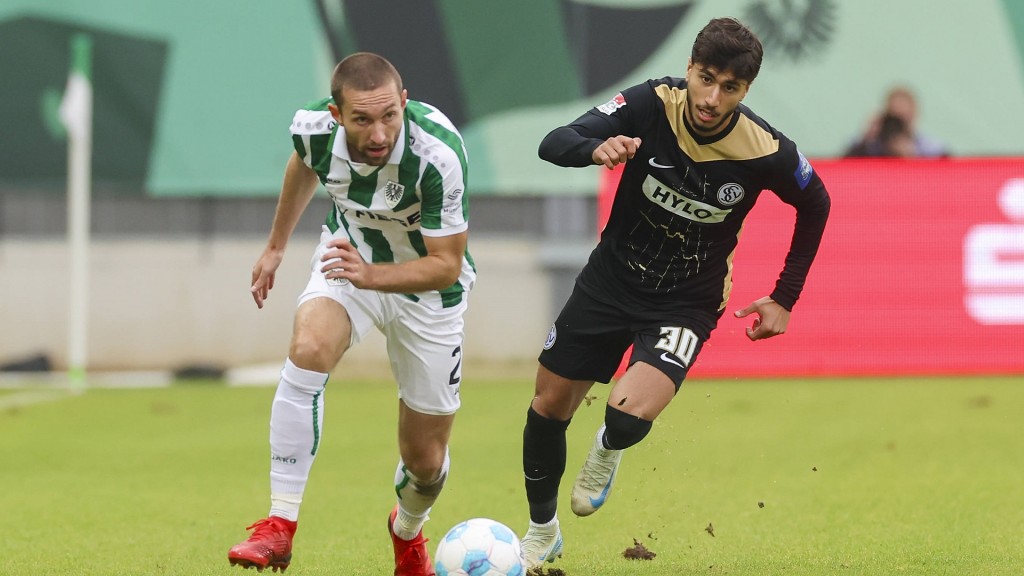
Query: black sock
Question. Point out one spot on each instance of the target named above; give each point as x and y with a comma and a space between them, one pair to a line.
543, 464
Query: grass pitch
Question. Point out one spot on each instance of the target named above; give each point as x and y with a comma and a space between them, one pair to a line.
787, 477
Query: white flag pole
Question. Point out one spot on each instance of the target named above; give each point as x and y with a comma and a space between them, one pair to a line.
76, 114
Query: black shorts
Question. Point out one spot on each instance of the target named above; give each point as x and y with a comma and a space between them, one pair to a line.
589, 338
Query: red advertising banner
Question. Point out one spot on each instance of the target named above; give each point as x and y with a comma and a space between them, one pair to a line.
921, 271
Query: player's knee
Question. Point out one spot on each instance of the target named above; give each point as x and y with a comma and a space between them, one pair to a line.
623, 430
313, 353
544, 425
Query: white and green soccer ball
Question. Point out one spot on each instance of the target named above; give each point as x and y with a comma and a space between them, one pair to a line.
479, 547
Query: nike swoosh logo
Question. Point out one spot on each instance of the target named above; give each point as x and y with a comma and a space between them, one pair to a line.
599, 501
656, 165
665, 357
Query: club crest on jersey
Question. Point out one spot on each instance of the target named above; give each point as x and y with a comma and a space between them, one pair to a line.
803, 171
612, 105
730, 194
393, 192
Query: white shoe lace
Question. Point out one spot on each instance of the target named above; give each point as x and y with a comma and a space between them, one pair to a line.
593, 483
598, 469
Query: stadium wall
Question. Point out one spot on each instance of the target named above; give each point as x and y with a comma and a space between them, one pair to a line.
169, 280
171, 304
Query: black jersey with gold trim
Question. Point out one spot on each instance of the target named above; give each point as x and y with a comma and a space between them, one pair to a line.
680, 205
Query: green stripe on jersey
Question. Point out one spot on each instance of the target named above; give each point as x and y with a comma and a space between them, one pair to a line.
408, 173
362, 188
416, 239
378, 244
452, 295
332, 221
432, 203
335, 220
318, 151
320, 146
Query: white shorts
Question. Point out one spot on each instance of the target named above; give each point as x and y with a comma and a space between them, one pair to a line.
424, 345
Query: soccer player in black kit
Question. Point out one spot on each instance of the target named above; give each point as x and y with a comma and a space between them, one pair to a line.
696, 160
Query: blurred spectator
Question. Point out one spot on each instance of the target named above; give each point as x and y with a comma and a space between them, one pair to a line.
893, 133
890, 138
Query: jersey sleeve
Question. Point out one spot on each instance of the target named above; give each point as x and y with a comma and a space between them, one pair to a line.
445, 209
312, 132
441, 157
799, 185
573, 145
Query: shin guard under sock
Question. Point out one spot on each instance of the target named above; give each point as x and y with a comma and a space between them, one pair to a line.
543, 464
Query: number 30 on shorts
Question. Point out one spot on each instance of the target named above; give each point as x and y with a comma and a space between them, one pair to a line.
680, 341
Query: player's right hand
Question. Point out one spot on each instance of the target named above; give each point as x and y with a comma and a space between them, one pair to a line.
771, 318
615, 151
263, 274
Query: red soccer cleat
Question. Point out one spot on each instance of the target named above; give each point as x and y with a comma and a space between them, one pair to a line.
411, 556
269, 545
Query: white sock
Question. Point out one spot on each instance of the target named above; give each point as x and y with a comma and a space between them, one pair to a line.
548, 526
599, 447
285, 505
407, 525
296, 421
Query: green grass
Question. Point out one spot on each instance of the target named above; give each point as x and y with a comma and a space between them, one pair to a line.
859, 477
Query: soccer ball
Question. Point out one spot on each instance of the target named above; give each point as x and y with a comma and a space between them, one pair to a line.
479, 547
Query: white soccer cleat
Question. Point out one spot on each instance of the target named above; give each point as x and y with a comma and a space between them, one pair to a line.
594, 482
541, 544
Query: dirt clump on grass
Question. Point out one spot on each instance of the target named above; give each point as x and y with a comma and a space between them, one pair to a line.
638, 552
538, 571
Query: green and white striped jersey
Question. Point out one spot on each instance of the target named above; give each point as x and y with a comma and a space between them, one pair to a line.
386, 210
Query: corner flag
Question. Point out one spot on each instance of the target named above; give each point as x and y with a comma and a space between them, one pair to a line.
76, 106
76, 115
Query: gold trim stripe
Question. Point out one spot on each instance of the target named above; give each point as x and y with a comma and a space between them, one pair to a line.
746, 141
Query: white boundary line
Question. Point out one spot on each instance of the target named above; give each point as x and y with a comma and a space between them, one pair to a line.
61, 380
38, 387
258, 375
29, 397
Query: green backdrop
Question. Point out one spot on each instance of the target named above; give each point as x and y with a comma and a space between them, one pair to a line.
194, 98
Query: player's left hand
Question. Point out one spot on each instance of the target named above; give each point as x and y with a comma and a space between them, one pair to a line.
343, 261
771, 320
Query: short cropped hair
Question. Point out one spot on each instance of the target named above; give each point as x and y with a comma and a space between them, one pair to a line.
726, 44
363, 71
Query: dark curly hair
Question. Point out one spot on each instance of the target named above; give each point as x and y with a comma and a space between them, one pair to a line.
726, 44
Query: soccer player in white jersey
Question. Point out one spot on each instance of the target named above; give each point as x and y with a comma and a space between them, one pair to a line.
392, 255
